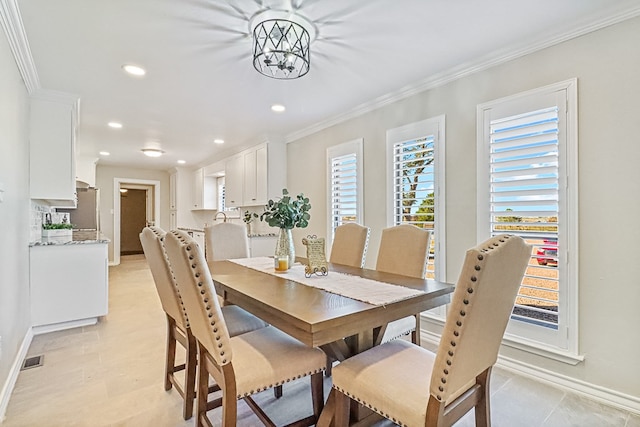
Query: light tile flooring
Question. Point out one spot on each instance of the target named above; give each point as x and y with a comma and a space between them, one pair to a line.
110, 374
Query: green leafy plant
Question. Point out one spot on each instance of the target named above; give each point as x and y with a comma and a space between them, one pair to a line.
287, 212
248, 216
63, 226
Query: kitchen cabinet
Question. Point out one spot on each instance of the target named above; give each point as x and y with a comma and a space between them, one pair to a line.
256, 175
262, 245
234, 181
52, 134
69, 285
204, 191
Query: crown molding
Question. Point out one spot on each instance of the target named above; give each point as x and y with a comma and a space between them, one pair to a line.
463, 70
11, 21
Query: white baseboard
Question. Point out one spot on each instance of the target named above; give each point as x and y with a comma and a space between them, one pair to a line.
592, 391
7, 389
44, 329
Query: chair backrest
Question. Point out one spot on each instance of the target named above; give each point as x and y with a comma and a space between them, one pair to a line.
153, 247
198, 295
404, 249
480, 309
349, 245
226, 241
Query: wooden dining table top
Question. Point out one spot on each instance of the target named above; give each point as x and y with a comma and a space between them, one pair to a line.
314, 316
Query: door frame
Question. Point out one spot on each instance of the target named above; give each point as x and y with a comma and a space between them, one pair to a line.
119, 183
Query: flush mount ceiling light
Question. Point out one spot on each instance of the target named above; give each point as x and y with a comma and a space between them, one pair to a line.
281, 43
278, 108
134, 70
105, 153
218, 141
182, 162
115, 125
152, 152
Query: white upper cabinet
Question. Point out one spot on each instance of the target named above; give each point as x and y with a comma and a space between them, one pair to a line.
204, 191
255, 175
234, 181
52, 148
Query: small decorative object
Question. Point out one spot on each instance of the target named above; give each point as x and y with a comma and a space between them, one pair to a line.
56, 230
287, 213
317, 261
248, 219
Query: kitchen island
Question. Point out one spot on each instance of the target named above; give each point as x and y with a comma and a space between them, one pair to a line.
68, 280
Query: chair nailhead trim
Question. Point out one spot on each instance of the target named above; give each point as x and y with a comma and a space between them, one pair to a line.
384, 414
267, 387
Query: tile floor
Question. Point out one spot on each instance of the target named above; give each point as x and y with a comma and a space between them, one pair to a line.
110, 374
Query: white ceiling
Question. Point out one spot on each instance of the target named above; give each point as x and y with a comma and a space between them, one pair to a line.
201, 84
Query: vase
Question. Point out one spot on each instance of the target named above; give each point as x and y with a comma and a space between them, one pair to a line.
284, 247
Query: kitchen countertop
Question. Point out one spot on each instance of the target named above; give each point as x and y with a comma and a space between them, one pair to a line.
198, 230
80, 237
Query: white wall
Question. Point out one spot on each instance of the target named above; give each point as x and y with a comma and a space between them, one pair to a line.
104, 181
607, 65
14, 213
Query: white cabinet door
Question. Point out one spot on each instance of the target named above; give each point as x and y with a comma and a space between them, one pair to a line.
233, 181
204, 191
68, 283
250, 187
262, 176
52, 154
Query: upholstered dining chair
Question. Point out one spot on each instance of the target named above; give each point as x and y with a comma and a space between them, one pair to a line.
240, 365
412, 386
349, 245
178, 330
226, 241
404, 250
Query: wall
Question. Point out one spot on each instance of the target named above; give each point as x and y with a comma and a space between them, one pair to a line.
606, 64
14, 215
105, 176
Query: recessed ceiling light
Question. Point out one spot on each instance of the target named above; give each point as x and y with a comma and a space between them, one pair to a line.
182, 162
218, 141
134, 70
105, 153
115, 125
123, 190
278, 108
152, 152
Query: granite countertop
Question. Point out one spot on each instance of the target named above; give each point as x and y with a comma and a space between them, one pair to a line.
198, 230
79, 237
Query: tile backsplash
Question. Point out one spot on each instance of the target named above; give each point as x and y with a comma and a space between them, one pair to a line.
37, 218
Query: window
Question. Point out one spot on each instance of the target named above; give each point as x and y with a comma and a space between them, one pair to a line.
344, 164
526, 186
416, 177
221, 194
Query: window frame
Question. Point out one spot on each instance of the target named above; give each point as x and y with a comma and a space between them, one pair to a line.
561, 344
431, 126
350, 147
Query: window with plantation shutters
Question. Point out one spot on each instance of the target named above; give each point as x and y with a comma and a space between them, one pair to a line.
524, 167
416, 171
344, 164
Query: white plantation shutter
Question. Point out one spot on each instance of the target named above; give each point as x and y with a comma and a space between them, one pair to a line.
344, 170
344, 189
416, 184
524, 199
527, 186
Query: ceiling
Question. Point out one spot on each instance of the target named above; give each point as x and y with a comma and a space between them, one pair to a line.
201, 85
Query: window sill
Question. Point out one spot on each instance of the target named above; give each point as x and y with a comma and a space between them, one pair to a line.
519, 343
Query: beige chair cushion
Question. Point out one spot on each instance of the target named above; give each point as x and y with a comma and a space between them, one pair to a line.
392, 379
349, 245
268, 357
226, 241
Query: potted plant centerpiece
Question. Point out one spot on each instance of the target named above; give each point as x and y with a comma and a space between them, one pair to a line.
57, 230
286, 213
248, 219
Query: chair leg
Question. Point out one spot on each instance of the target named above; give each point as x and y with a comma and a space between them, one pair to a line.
317, 394
190, 375
170, 357
483, 407
415, 334
342, 405
202, 393
327, 372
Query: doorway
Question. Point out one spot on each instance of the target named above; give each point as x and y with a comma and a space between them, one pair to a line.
136, 204
133, 218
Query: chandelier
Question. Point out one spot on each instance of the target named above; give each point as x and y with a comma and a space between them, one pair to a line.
281, 43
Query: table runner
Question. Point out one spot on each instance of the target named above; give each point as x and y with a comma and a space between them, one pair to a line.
354, 287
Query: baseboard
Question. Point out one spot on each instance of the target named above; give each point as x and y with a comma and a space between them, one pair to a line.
10, 383
44, 329
592, 391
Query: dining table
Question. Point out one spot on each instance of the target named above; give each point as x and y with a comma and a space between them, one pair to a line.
319, 313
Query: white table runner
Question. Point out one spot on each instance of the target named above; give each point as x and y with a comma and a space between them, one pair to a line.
354, 287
